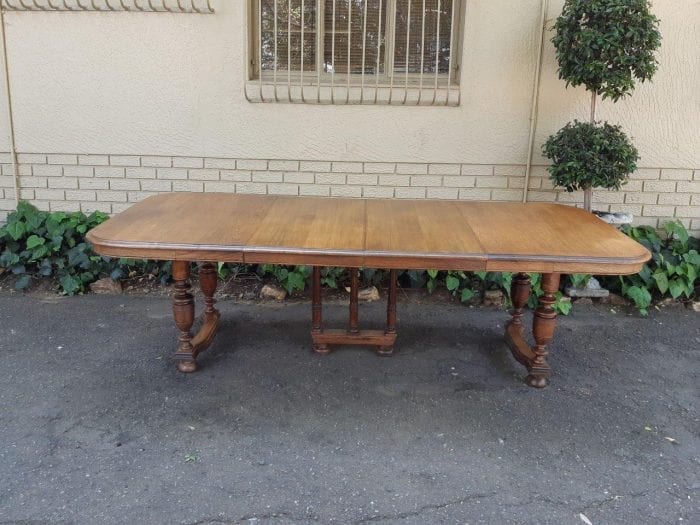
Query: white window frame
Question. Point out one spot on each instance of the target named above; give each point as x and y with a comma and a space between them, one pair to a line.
389, 87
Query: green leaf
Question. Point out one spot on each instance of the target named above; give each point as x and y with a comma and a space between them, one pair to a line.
34, 240
452, 283
661, 281
16, 230
22, 282
432, 273
676, 287
467, 294
70, 284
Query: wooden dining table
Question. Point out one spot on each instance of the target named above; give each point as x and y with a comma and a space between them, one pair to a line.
545, 238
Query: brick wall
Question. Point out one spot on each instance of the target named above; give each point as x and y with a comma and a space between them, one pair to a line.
111, 183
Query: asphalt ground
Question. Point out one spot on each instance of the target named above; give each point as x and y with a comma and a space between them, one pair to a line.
97, 426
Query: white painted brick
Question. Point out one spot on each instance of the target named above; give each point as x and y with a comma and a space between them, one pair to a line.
409, 193
608, 197
476, 169
203, 174
444, 169
509, 170
475, 194
646, 174
79, 171
673, 174
188, 162
251, 187
299, 178
458, 181
516, 183
314, 166
138, 196
49, 195
547, 184
236, 175
507, 195
266, 176
251, 164
535, 183
47, 170
93, 160
6, 182
64, 206
641, 198
220, 187
112, 172
568, 197
10, 193
426, 180
379, 167
188, 185
695, 225
692, 212
283, 165
283, 189
378, 192
330, 178
322, 190
696, 175
667, 186
412, 169
674, 198
225, 164
346, 191
111, 196
31, 158
541, 196
632, 185
125, 160
658, 211
361, 179
695, 199
394, 180
646, 221
120, 207
443, 193
346, 167
124, 184
22, 169
492, 181
80, 195
34, 182
26, 194
688, 187
171, 173
156, 185
62, 159
140, 173
93, 184
90, 207
634, 209
157, 161
5, 158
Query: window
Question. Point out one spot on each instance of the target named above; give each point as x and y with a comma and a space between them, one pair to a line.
354, 51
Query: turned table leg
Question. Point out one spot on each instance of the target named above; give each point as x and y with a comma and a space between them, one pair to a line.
390, 314
183, 310
317, 311
543, 325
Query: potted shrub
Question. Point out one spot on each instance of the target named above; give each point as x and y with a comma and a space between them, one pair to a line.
606, 46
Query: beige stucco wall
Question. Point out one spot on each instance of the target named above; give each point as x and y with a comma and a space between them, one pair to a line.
172, 85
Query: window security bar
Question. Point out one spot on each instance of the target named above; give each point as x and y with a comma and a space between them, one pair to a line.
202, 7
400, 52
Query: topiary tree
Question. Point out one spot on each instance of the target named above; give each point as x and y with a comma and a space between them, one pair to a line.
604, 45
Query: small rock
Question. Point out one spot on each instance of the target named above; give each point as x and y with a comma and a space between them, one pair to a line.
614, 218
367, 294
106, 286
592, 289
493, 298
2, 270
694, 306
272, 291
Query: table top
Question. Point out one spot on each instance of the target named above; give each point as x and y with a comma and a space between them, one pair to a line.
373, 233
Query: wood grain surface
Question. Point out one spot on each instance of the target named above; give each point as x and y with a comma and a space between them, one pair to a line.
400, 234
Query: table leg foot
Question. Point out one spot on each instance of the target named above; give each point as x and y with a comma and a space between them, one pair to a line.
187, 366
534, 358
322, 349
385, 351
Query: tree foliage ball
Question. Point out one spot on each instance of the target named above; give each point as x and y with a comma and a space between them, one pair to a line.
590, 155
606, 44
